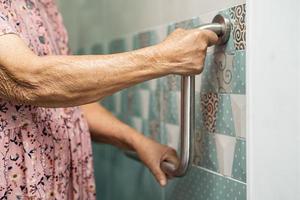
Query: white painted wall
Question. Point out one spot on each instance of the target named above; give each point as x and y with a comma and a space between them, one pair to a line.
115, 18
273, 99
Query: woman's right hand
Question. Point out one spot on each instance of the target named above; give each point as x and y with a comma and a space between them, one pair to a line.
183, 51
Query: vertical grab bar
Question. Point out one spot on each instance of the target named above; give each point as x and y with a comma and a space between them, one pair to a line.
222, 27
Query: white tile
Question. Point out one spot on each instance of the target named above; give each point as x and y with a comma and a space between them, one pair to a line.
153, 84
173, 135
225, 153
238, 103
145, 99
137, 123
198, 83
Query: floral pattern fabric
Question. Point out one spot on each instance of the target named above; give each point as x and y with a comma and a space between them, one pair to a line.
45, 153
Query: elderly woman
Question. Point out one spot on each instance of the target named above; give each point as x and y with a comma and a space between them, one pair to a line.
46, 107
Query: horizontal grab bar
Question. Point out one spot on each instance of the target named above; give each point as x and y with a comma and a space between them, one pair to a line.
222, 27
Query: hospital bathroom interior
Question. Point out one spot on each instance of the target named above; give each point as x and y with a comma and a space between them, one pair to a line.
218, 160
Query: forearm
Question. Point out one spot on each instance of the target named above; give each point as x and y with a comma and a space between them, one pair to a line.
106, 128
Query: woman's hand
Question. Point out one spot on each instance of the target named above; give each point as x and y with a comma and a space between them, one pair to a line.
153, 154
183, 51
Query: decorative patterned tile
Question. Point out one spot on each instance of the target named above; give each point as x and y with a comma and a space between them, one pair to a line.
224, 116
224, 68
238, 16
224, 72
239, 163
225, 152
209, 107
200, 184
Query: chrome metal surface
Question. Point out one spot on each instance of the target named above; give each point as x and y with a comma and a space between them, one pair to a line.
222, 27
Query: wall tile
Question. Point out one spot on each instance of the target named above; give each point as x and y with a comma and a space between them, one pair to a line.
239, 73
224, 116
209, 107
238, 104
117, 46
225, 153
238, 16
206, 154
153, 108
200, 184
239, 163
224, 72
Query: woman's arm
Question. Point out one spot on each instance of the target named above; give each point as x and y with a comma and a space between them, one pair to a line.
104, 127
62, 81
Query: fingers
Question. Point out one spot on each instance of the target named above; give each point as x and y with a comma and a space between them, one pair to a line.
208, 36
159, 175
171, 157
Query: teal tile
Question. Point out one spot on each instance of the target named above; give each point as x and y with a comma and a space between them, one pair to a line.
101, 158
97, 49
239, 73
173, 107
230, 45
81, 51
171, 83
200, 184
123, 171
109, 103
187, 24
209, 158
239, 162
144, 39
224, 120
117, 46
198, 112
209, 81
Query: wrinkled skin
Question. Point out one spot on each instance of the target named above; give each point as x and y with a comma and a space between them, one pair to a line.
64, 81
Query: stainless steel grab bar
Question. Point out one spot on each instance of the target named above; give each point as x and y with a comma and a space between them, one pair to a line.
222, 27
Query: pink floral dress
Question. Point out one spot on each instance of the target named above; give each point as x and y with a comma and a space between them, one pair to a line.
45, 153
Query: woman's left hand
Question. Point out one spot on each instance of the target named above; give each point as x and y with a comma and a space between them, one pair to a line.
153, 154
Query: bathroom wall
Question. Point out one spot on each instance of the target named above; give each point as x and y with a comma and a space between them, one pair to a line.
219, 161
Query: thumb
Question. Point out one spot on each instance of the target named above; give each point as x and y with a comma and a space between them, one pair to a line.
210, 37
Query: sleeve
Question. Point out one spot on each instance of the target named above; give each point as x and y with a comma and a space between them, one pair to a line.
5, 25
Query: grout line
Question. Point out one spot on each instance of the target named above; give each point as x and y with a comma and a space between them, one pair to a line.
218, 174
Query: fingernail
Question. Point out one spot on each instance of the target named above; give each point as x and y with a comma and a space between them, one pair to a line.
162, 182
